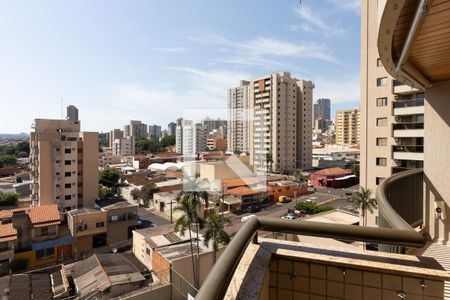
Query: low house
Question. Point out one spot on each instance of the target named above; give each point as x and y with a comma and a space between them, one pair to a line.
8, 236
287, 188
333, 177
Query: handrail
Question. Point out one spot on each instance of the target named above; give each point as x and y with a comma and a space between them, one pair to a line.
403, 126
384, 206
216, 283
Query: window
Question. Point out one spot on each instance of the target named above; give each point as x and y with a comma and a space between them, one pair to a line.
44, 231
382, 101
100, 224
381, 121
381, 141
67, 151
67, 197
67, 162
44, 253
67, 174
379, 63
114, 218
381, 161
382, 81
378, 180
67, 185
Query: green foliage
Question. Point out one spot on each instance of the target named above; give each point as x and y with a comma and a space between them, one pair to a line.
135, 193
355, 170
147, 191
362, 200
298, 174
7, 160
104, 192
167, 141
19, 265
144, 146
215, 232
8, 198
312, 208
109, 177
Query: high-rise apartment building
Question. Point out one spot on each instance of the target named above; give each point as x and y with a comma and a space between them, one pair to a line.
322, 109
348, 126
172, 128
124, 146
72, 113
179, 139
392, 114
211, 124
194, 138
238, 131
64, 164
154, 132
136, 129
280, 127
115, 134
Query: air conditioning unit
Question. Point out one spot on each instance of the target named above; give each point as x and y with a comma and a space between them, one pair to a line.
439, 209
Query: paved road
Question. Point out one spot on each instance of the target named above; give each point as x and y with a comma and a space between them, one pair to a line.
148, 217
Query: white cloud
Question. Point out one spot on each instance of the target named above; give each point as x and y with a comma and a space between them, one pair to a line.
350, 5
319, 22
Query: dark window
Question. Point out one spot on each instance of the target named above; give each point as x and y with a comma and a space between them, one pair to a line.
100, 224
382, 101
147, 250
44, 231
381, 121
67, 197
67, 174
67, 150
382, 81
67, 162
44, 253
67, 185
381, 161
378, 180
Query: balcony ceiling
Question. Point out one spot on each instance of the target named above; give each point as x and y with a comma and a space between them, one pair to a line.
426, 59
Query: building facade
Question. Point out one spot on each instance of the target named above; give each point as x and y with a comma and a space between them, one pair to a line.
115, 134
172, 128
154, 132
194, 138
136, 129
64, 164
347, 126
124, 146
322, 109
280, 127
238, 118
179, 139
392, 114
72, 113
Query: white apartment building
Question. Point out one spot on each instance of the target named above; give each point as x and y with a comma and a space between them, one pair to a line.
64, 164
280, 127
348, 127
238, 131
179, 139
124, 146
113, 135
194, 138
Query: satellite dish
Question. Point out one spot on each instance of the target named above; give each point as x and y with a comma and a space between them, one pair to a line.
114, 250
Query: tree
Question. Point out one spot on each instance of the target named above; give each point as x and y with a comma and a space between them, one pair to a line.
104, 192
312, 208
147, 191
23, 147
167, 141
362, 201
8, 198
7, 160
189, 216
145, 146
109, 177
193, 194
355, 170
269, 161
298, 174
215, 232
135, 193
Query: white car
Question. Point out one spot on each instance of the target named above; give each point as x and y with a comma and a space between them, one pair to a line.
288, 217
245, 218
310, 201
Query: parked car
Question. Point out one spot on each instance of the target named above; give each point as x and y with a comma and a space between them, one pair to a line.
245, 218
310, 201
288, 217
348, 193
253, 208
284, 199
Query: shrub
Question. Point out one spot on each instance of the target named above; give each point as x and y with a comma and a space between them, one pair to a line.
8, 198
312, 208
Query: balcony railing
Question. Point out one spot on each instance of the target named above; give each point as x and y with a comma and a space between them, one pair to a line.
407, 148
396, 170
403, 126
408, 103
215, 285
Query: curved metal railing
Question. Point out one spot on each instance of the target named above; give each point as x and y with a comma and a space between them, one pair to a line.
400, 200
219, 278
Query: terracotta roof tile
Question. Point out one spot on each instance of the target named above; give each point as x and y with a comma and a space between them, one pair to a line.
7, 213
230, 183
7, 232
44, 214
334, 172
242, 191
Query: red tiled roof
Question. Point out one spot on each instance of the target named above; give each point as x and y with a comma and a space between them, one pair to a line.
170, 188
7, 213
229, 183
44, 214
242, 191
7, 232
333, 172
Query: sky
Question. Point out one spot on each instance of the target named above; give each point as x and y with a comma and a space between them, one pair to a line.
153, 60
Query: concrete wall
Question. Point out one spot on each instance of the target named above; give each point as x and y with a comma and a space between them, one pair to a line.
140, 250
437, 162
90, 168
90, 219
118, 231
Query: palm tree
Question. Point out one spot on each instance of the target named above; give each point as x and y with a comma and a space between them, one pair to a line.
192, 194
216, 233
189, 215
362, 201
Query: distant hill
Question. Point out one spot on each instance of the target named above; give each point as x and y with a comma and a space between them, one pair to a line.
14, 136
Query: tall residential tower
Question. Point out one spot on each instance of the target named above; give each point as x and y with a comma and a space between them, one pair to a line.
238, 118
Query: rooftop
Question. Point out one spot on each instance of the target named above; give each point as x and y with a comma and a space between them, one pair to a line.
39, 216
334, 172
7, 233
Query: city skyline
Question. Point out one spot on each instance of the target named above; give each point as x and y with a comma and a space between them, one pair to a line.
118, 77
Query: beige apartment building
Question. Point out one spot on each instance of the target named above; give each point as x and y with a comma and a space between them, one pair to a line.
392, 113
113, 135
136, 129
124, 146
348, 126
280, 123
64, 164
238, 118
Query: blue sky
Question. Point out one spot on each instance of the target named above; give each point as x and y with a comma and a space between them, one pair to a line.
152, 60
